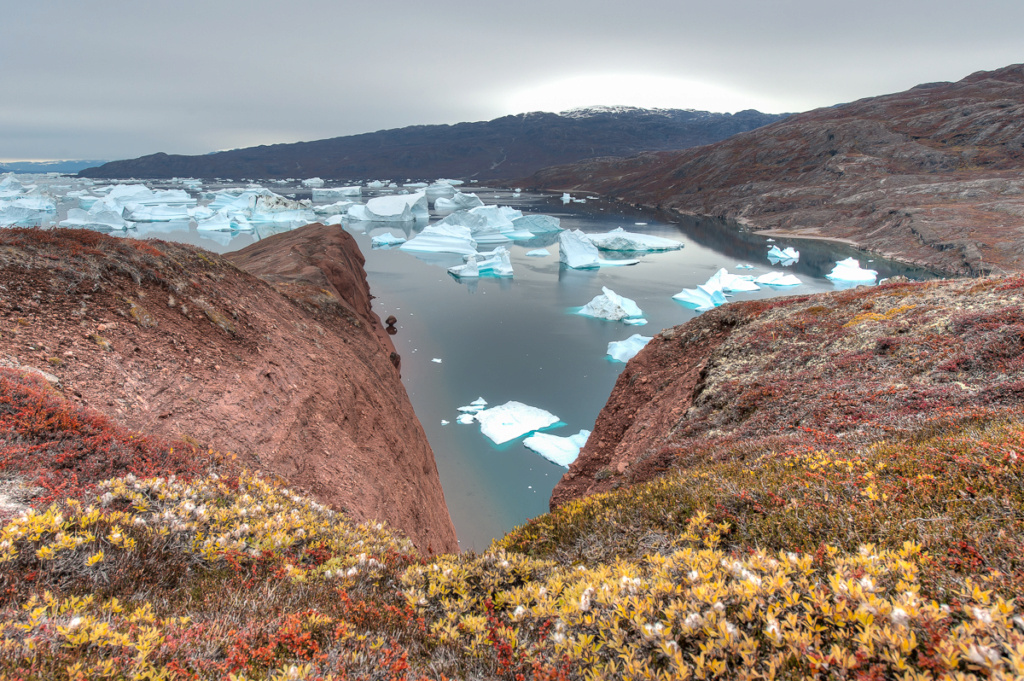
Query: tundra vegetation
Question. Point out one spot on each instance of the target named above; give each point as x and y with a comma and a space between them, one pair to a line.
895, 553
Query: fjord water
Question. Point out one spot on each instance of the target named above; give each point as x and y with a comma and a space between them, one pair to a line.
520, 339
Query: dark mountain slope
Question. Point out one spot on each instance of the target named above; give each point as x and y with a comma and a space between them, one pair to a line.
508, 147
931, 175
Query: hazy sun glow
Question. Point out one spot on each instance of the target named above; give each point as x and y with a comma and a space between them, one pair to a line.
632, 89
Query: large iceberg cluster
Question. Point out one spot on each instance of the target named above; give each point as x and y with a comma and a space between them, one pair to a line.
712, 293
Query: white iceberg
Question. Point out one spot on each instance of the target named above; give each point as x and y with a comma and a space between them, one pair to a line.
313, 182
611, 306
620, 240
335, 193
394, 208
218, 222
459, 201
702, 298
142, 213
473, 407
625, 350
538, 253
558, 450
566, 197
101, 220
465, 419
333, 208
849, 270
497, 263
438, 190
732, 283
386, 239
441, 238
577, 251
778, 279
785, 257
744, 267
511, 420
536, 223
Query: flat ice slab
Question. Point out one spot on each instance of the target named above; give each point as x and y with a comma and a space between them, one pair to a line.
625, 350
536, 223
442, 238
511, 420
538, 253
577, 251
558, 450
850, 270
620, 240
388, 239
497, 263
611, 306
778, 279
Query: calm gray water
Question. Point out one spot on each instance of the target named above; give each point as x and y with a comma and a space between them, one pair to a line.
519, 339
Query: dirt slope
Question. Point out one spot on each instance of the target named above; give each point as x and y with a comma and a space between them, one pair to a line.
175, 341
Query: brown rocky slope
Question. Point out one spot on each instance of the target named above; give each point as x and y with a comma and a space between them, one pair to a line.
829, 372
168, 339
932, 175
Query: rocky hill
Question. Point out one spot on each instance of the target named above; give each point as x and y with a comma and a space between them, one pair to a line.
296, 379
507, 147
931, 175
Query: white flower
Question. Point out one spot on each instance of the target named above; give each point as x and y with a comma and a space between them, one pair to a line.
899, 616
982, 615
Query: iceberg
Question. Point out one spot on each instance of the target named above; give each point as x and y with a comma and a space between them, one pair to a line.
142, 213
101, 220
702, 298
440, 189
785, 257
398, 208
611, 306
561, 451
387, 239
473, 407
635, 322
538, 253
536, 223
334, 220
732, 283
442, 238
465, 419
778, 279
497, 263
511, 420
566, 197
849, 270
375, 184
744, 267
335, 193
625, 350
620, 240
219, 222
577, 251
313, 182
333, 208
459, 201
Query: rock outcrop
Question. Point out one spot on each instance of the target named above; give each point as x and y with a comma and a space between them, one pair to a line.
832, 371
298, 381
931, 175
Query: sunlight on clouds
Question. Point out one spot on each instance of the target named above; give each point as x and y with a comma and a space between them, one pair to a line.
632, 89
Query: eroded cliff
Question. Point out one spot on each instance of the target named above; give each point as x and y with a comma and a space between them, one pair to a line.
297, 378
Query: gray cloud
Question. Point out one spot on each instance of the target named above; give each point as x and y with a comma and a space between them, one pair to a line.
120, 79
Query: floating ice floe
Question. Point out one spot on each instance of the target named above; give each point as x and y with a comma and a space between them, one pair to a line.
437, 360
635, 322
561, 451
442, 238
313, 182
538, 253
702, 298
744, 267
620, 240
785, 256
465, 419
442, 189
625, 350
566, 197
778, 279
577, 251
473, 407
335, 193
387, 239
731, 283
162, 213
334, 208
611, 306
394, 208
536, 223
849, 270
497, 263
333, 220
458, 201
218, 222
511, 420
101, 220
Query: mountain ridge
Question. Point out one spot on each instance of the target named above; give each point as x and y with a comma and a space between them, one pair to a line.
506, 147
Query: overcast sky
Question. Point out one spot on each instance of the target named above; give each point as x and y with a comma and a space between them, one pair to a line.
117, 79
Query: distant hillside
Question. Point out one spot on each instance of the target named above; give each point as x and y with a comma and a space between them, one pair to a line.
508, 147
931, 175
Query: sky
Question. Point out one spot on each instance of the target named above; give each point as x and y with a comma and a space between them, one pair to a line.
115, 79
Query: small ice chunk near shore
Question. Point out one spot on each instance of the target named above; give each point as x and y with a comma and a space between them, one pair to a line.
778, 279
620, 240
702, 298
538, 253
512, 419
625, 350
561, 451
850, 270
732, 283
785, 256
611, 306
